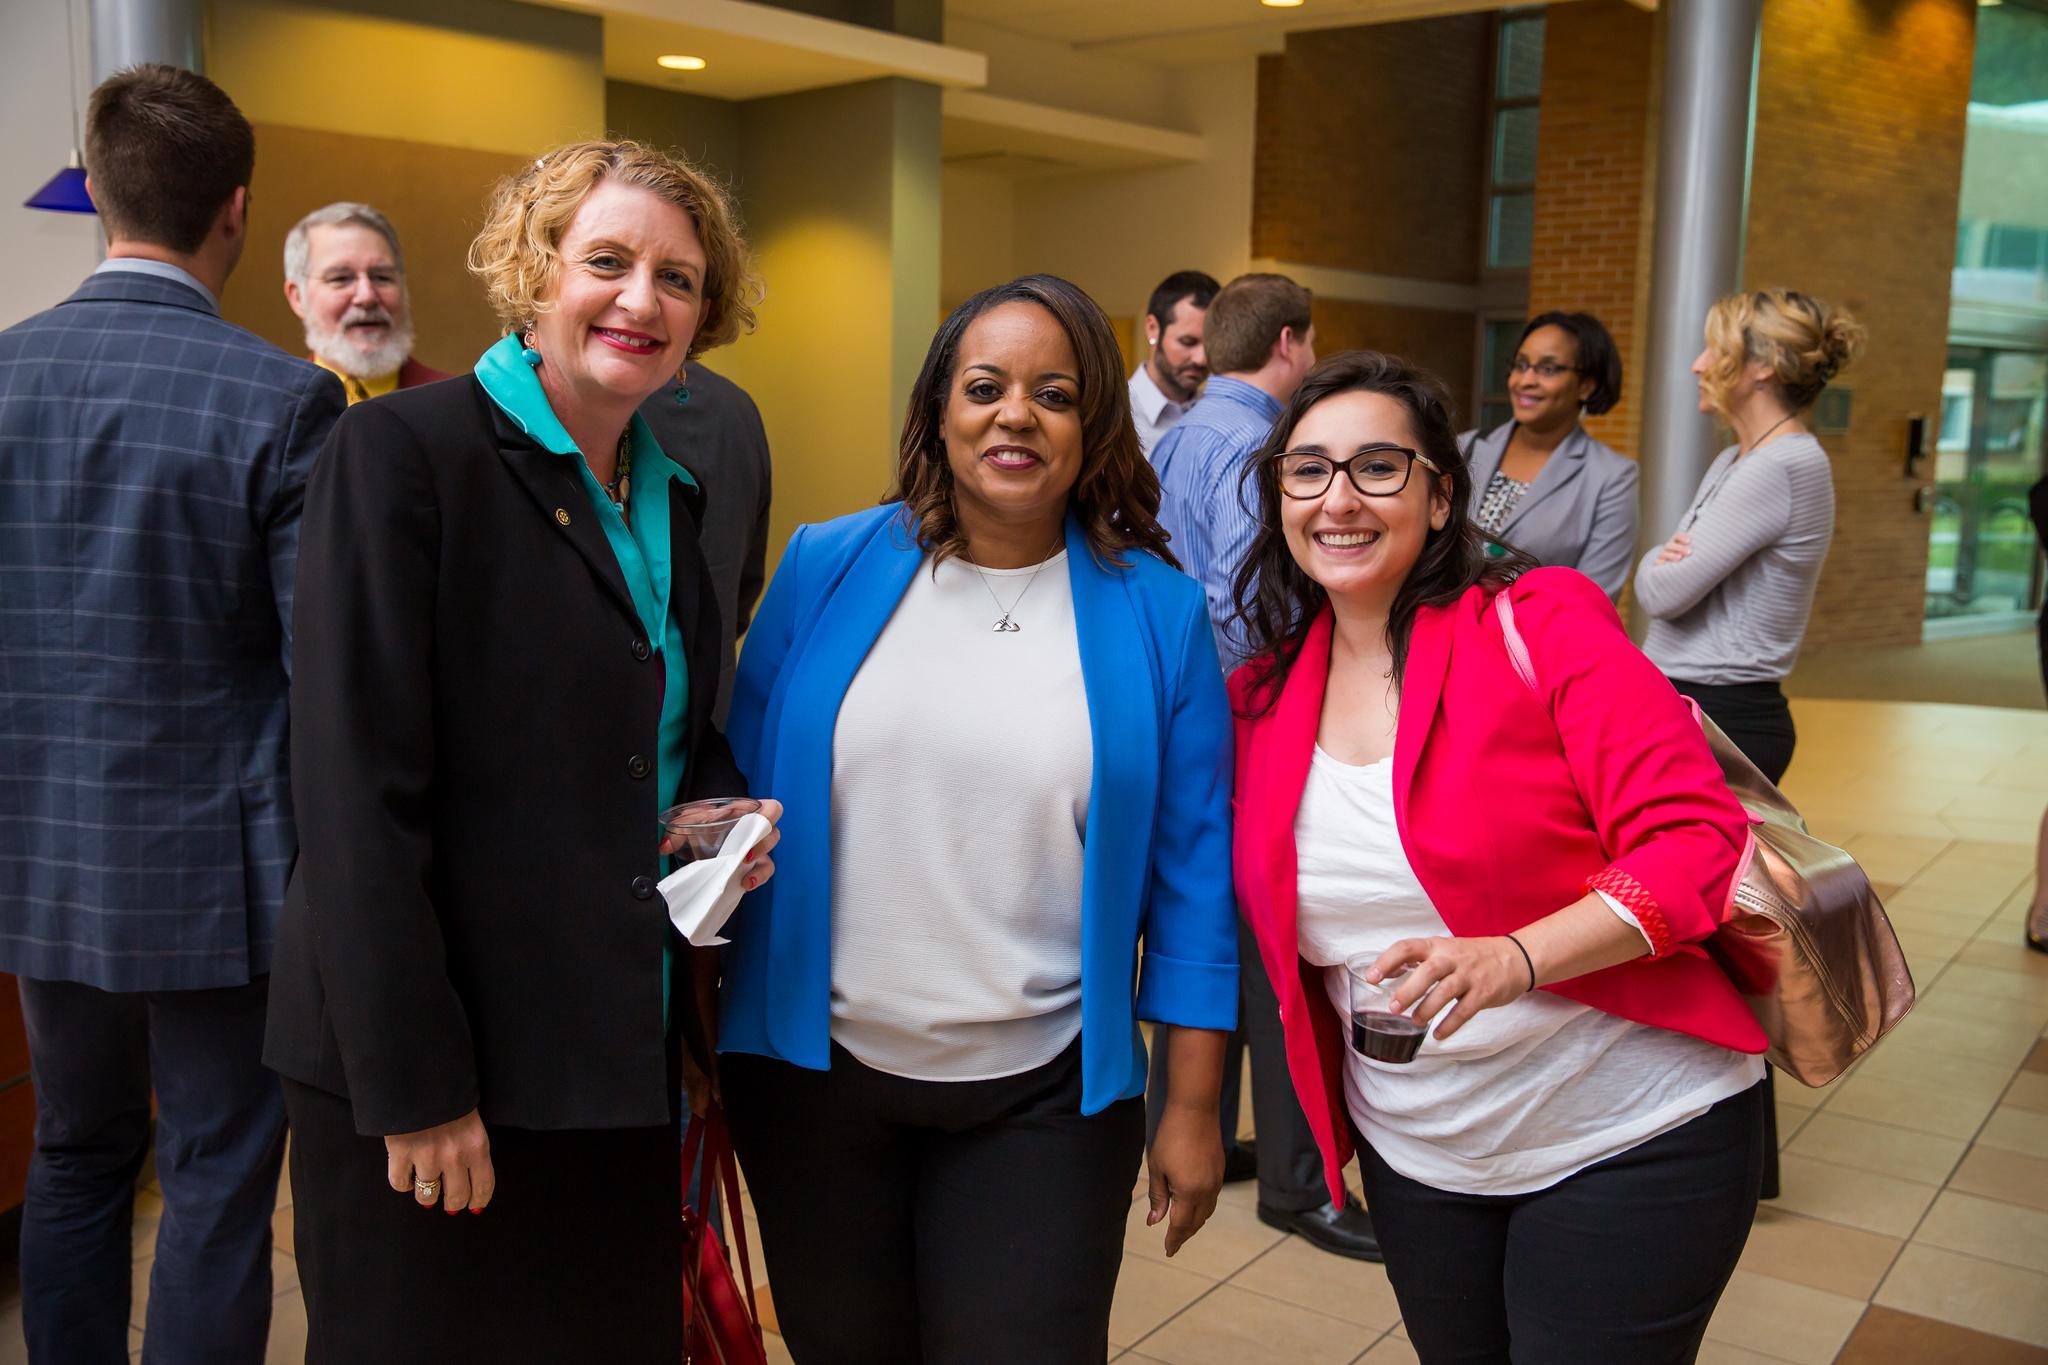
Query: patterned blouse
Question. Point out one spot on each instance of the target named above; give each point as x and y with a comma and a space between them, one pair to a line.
1497, 504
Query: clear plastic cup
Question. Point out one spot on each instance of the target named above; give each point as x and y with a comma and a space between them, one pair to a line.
1380, 1030
697, 829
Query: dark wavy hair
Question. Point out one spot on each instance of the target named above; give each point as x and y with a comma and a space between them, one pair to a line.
1116, 497
1277, 602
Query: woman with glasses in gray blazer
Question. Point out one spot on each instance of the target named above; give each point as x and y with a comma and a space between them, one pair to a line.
1539, 482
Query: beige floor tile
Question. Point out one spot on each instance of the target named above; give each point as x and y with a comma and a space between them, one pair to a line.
287, 1331
1899, 858
1898, 1059
1721, 1353
13, 1350
2016, 1130
1909, 1106
1225, 1245
1996, 948
1993, 1229
2029, 1091
1817, 1254
1790, 1321
1994, 984
2001, 1042
1880, 1147
1391, 1350
1858, 1199
1234, 1326
1995, 1173
778, 1354
1147, 1294
1886, 1336
1968, 1291
1299, 1273
2023, 1017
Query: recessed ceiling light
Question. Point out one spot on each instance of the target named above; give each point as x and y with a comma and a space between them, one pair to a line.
676, 62
1281, 4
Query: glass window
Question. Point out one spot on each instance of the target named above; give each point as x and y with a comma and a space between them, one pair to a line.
1511, 225
1514, 145
1518, 69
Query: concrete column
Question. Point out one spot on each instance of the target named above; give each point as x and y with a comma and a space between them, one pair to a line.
1702, 209
126, 32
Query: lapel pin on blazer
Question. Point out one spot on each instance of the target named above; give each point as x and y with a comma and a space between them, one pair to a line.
562, 515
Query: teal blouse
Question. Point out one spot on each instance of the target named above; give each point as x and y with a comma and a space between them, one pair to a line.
641, 547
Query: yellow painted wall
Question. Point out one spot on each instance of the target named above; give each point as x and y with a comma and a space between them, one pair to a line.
830, 190
487, 75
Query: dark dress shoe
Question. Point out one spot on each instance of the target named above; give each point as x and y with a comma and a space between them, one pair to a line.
1345, 1229
1240, 1163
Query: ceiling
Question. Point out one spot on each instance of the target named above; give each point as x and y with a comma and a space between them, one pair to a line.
1174, 32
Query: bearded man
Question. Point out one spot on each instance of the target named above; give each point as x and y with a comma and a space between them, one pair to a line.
345, 277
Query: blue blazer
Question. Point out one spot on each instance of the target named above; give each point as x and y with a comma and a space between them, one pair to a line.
153, 459
1157, 859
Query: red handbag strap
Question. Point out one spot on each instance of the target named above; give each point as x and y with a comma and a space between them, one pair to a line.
707, 1137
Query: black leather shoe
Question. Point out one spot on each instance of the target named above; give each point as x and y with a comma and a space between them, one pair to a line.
1345, 1229
1240, 1163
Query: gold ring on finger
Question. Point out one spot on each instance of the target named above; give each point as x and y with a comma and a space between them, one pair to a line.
426, 1189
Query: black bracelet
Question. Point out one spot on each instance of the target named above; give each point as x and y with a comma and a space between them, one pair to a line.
1526, 959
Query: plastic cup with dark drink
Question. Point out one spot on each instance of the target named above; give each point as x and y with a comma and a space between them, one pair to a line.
697, 829
1379, 1030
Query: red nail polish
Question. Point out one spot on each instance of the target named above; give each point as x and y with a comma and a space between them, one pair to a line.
476, 1210
751, 882
451, 1212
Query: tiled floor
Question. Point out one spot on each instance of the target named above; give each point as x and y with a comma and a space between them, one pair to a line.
1914, 1224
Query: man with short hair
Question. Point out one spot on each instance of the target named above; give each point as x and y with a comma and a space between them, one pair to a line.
1261, 343
344, 275
153, 459
1163, 387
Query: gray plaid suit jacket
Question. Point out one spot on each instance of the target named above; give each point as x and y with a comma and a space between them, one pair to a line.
153, 458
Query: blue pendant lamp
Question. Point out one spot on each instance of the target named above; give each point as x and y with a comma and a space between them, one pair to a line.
64, 192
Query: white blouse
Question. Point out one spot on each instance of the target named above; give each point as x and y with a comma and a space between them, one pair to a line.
961, 766
1524, 1094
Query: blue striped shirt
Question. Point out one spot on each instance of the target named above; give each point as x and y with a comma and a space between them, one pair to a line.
1205, 505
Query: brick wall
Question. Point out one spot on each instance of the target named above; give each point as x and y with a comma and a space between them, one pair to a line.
1596, 184
1439, 341
1371, 148
1856, 173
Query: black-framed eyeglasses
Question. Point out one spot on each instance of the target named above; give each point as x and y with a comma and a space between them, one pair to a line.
1377, 471
1545, 369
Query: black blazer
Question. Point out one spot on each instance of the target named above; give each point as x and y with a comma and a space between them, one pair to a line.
474, 920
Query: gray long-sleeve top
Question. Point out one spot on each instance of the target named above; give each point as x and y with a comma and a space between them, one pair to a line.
1734, 610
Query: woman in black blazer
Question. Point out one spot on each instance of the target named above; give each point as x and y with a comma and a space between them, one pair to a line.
507, 659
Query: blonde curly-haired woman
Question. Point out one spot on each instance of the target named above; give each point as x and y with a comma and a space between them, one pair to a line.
507, 656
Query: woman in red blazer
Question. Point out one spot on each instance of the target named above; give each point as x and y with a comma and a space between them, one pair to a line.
1567, 1169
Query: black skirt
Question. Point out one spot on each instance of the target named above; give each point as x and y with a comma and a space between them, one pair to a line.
578, 1257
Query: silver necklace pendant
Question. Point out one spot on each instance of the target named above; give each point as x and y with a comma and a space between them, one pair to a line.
1006, 626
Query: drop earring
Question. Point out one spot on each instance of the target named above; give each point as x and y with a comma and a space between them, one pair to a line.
526, 351
682, 390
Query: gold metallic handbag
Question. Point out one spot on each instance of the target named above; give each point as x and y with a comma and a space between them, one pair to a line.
1804, 937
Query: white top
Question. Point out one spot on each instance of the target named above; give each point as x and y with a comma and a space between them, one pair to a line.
961, 764
1152, 412
1524, 1094
1735, 609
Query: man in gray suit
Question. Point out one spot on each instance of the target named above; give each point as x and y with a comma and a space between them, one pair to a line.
153, 458
709, 425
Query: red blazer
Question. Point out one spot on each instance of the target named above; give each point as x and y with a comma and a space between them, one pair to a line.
1510, 806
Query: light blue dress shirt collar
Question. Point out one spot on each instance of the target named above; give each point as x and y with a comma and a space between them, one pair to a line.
163, 270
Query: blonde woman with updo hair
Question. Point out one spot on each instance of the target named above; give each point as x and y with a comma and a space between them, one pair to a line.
507, 659
1729, 593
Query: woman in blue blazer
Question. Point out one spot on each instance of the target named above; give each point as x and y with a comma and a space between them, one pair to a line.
993, 712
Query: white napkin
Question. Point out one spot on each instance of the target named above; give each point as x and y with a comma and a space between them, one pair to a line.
702, 895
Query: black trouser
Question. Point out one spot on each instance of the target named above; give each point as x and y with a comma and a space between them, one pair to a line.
1758, 719
96, 1057
1755, 715
1621, 1263
1290, 1165
935, 1222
